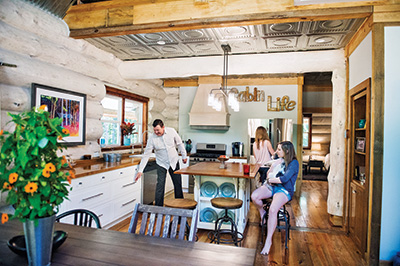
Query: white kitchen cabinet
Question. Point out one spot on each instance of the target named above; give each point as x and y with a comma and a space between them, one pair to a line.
112, 195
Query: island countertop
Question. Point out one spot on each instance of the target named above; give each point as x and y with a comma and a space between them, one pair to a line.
212, 169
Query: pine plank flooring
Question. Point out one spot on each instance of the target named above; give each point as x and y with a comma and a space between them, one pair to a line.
313, 240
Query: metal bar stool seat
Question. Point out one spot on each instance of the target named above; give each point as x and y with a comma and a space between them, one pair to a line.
226, 236
282, 217
188, 204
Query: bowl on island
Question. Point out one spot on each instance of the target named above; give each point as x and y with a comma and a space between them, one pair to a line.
223, 159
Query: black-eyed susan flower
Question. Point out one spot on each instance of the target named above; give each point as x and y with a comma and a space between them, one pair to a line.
1, 132
43, 107
65, 131
12, 178
7, 186
31, 188
50, 167
46, 172
4, 218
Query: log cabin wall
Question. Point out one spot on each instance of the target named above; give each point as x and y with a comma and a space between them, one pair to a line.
39, 44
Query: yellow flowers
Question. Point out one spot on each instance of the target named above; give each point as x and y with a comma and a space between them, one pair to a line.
43, 107
1, 132
48, 169
65, 131
4, 218
7, 186
12, 178
71, 176
31, 187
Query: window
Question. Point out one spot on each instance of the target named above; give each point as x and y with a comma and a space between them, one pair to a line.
121, 106
306, 131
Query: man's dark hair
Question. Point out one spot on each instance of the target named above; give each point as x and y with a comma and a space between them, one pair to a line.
158, 122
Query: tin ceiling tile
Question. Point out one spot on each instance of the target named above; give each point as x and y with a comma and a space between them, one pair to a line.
187, 36
204, 48
239, 32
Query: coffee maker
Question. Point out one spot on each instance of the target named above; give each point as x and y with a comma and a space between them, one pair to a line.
237, 148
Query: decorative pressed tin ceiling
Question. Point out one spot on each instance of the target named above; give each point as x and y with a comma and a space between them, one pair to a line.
268, 38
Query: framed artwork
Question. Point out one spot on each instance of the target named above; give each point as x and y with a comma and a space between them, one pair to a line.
69, 105
360, 144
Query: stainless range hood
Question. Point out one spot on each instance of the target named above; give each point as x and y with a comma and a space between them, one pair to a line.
202, 116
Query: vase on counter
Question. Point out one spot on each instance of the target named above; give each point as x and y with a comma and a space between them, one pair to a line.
39, 240
127, 140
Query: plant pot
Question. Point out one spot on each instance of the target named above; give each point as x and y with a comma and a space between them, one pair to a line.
127, 140
39, 240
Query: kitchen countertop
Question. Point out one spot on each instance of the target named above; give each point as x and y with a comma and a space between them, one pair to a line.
212, 169
100, 166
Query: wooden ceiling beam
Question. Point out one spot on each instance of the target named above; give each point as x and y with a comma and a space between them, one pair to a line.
113, 18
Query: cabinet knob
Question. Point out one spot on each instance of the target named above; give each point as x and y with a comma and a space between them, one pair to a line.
354, 191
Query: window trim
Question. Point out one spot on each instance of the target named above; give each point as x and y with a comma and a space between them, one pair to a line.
130, 96
309, 117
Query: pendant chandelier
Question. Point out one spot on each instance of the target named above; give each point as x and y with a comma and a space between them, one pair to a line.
216, 96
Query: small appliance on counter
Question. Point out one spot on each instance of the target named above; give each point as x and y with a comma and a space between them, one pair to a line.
237, 148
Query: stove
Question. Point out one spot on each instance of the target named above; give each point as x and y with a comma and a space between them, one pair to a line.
207, 152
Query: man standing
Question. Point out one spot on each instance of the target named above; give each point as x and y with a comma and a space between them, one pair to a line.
164, 142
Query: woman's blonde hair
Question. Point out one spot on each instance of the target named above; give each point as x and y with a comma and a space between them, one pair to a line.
289, 151
261, 135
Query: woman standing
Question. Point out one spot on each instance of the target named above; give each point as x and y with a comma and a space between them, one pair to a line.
282, 189
262, 150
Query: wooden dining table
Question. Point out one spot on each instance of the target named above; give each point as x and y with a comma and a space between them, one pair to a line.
90, 246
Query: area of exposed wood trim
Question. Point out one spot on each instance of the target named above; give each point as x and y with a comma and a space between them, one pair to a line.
359, 36
236, 81
388, 13
317, 87
87, 23
317, 110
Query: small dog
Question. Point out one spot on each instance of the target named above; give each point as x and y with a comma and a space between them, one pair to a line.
277, 169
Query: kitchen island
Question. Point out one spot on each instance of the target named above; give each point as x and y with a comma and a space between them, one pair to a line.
212, 181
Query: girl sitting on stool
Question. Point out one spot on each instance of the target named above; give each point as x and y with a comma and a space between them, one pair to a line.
282, 189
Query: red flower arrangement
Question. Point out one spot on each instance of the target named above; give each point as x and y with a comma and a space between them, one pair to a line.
128, 128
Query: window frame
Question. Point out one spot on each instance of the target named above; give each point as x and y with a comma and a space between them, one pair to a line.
308, 117
134, 97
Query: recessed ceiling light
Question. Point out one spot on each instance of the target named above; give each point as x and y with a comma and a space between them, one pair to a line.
161, 42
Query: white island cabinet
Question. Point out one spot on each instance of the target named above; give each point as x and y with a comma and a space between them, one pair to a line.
112, 195
212, 181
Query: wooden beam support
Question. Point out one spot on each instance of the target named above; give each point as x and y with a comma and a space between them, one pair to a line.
359, 36
122, 17
317, 87
387, 13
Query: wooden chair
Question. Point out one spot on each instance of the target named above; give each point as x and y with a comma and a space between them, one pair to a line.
82, 217
164, 222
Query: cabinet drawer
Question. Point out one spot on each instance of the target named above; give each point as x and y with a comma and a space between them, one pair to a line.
90, 197
125, 185
126, 204
87, 182
122, 172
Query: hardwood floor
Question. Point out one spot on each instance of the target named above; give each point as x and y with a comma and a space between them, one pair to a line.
313, 240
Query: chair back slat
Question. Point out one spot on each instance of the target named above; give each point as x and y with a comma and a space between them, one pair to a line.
167, 224
158, 224
174, 227
182, 228
164, 222
193, 226
150, 227
143, 224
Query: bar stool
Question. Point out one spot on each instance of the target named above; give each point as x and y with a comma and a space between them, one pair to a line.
235, 237
282, 216
182, 204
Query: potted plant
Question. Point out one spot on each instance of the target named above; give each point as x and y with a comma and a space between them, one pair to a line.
31, 172
127, 129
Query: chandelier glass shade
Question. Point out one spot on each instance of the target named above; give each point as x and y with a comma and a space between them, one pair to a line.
216, 96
